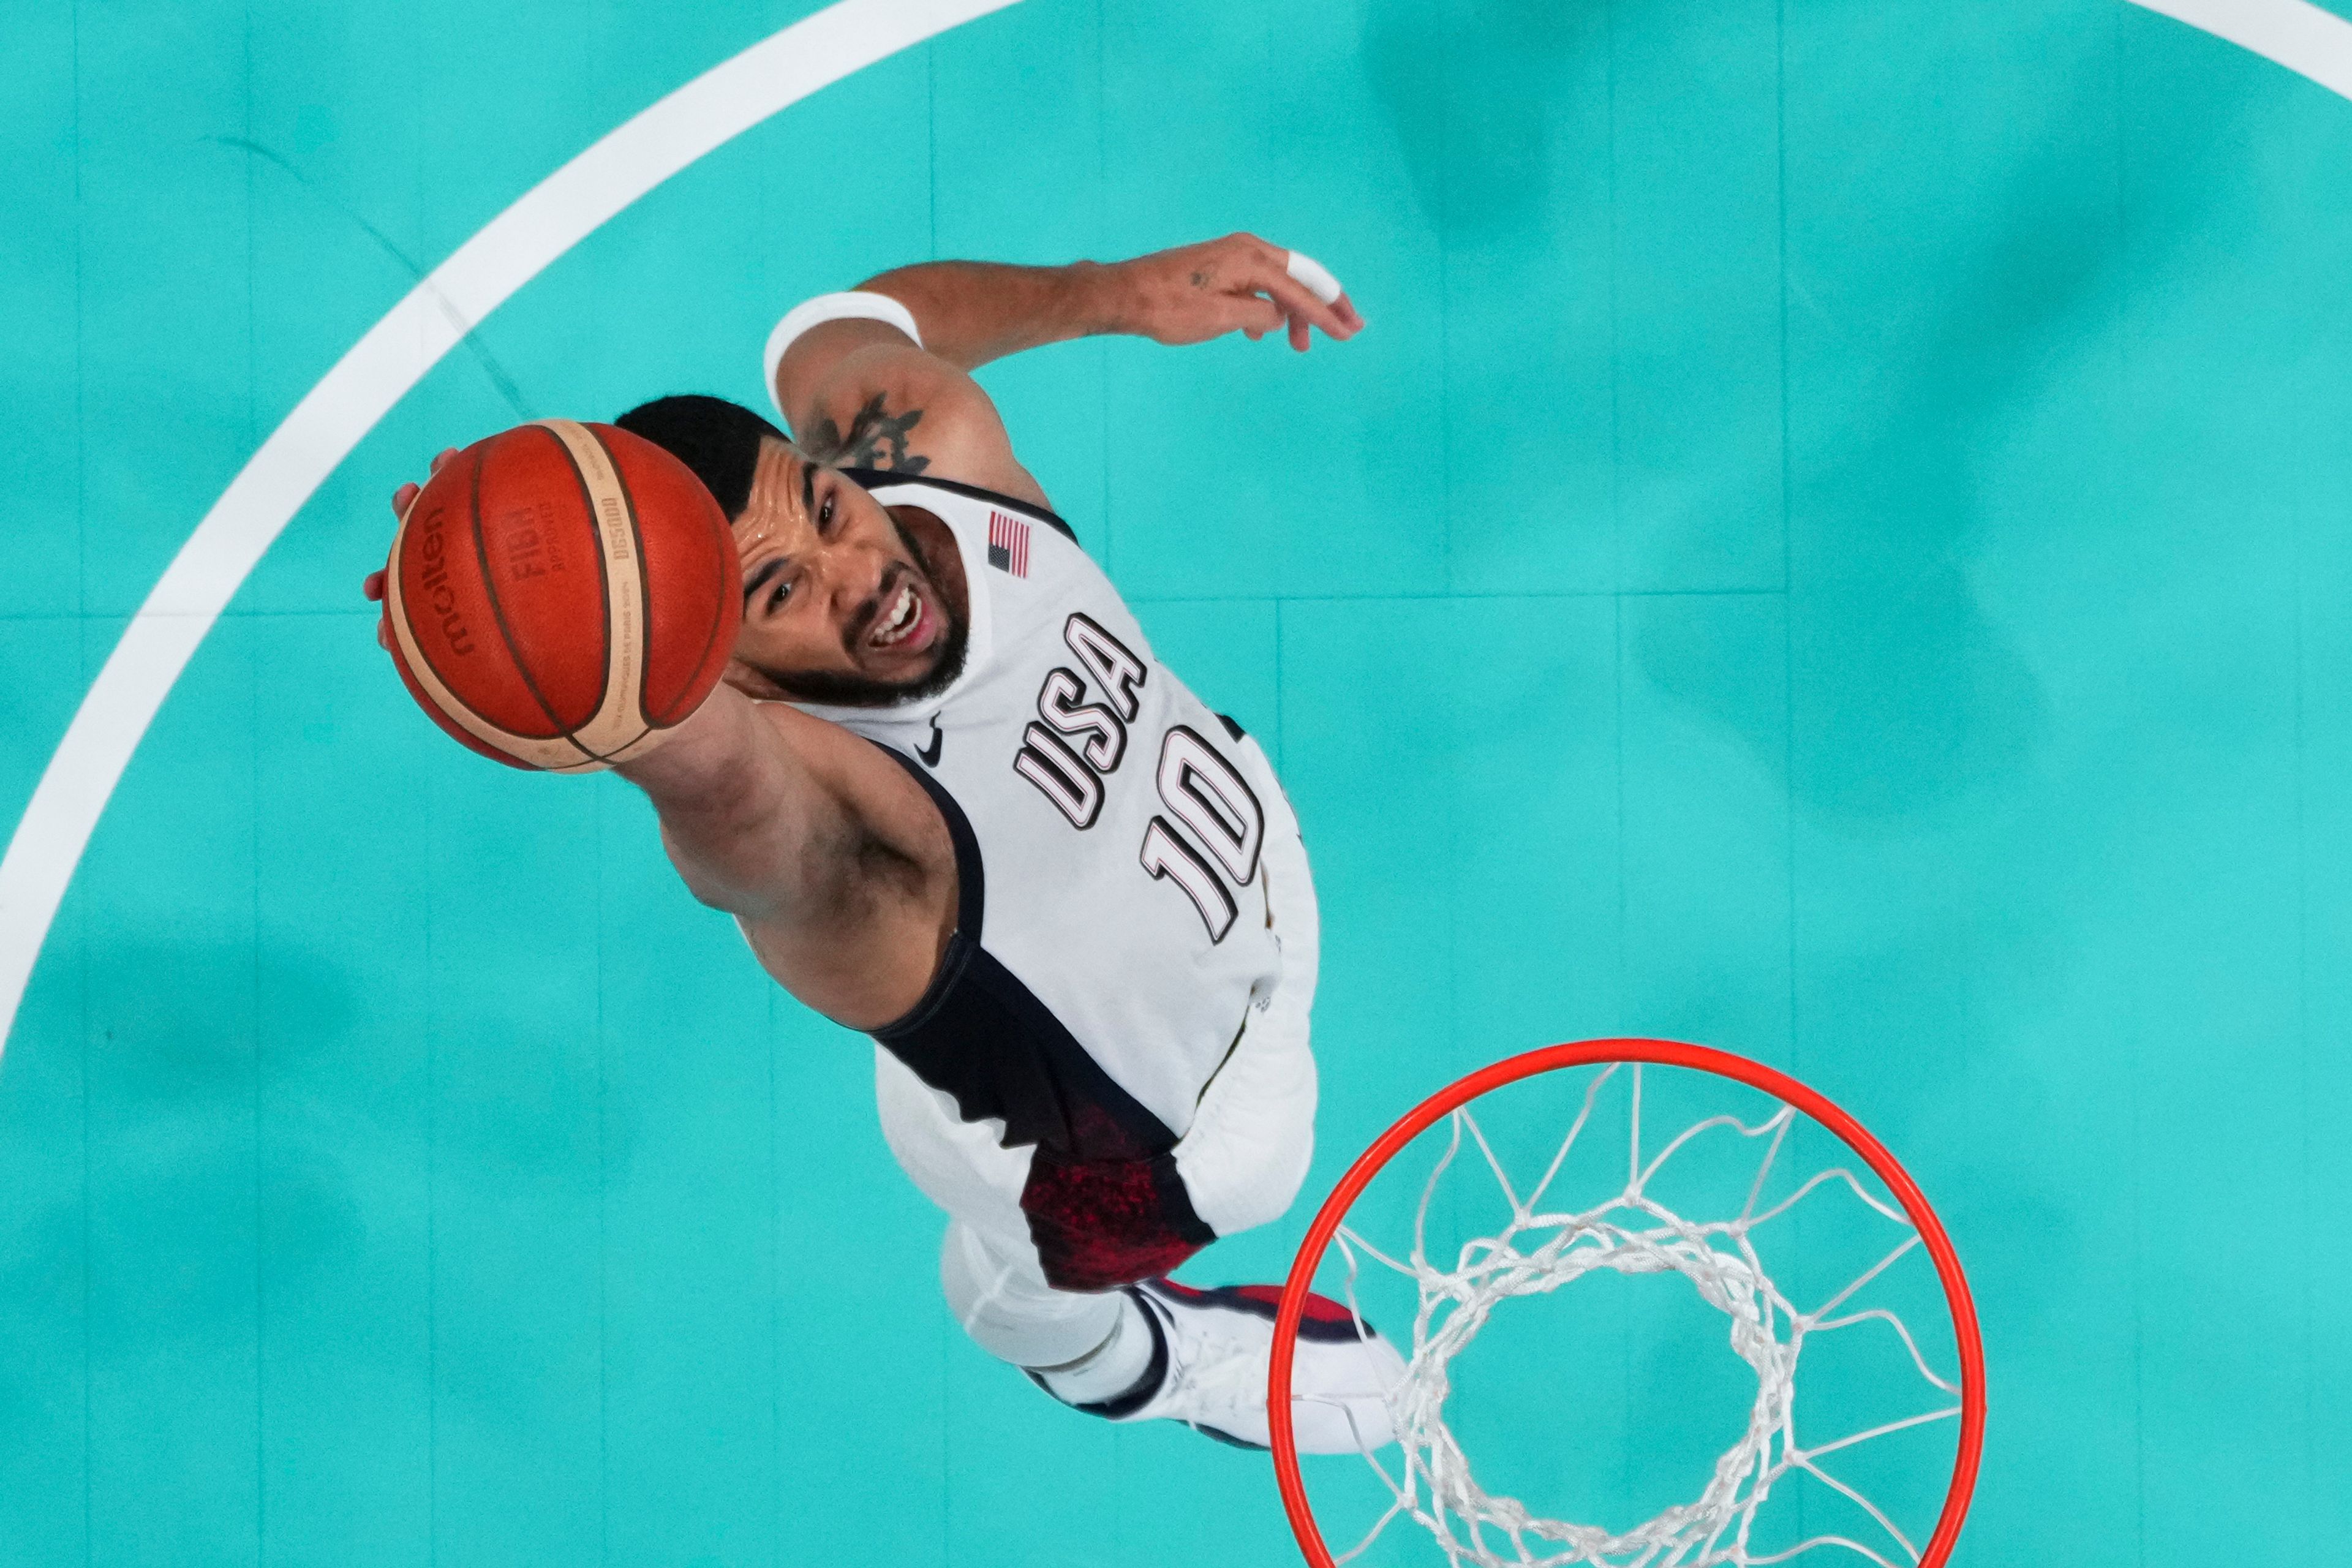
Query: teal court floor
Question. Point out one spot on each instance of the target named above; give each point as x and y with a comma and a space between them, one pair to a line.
1834, 546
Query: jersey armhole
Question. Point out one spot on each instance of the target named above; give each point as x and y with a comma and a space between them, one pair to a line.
971, 898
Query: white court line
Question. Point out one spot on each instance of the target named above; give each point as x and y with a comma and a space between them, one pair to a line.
2296, 33
336, 415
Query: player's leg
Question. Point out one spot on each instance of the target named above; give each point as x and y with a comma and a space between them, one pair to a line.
1092, 1350
1150, 1350
1086, 1348
1161, 1350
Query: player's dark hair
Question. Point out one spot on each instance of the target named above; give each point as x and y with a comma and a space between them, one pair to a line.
718, 439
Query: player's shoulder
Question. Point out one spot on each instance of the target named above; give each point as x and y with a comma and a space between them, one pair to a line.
898, 408
883, 795
1031, 508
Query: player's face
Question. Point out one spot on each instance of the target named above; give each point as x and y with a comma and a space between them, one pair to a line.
841, 603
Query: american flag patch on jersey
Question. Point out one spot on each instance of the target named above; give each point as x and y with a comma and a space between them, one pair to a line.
1008, 544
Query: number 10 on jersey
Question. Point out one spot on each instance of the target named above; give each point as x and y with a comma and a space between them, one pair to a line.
1207, 841
1206, 795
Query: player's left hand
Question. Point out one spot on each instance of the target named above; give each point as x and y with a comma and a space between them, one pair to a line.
1239, 283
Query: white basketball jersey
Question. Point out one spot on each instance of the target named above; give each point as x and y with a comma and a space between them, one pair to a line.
1114, 929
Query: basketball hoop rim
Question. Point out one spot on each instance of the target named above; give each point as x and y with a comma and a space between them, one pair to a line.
1664, 1053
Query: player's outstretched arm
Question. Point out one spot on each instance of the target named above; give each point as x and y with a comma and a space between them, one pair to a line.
838, 864
738, 811
861, 393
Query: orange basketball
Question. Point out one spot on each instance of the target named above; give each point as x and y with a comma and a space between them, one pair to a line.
560, 595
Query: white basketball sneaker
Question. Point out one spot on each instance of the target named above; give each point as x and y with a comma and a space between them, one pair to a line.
1209, 1365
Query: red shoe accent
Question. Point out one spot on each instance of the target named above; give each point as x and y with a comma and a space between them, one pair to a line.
1323, 1319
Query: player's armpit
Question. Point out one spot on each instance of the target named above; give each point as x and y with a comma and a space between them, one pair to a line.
877, 401
834, 859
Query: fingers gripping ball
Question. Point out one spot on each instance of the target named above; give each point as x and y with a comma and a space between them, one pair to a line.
561, 594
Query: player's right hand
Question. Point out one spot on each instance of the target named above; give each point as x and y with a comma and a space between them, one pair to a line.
373, 583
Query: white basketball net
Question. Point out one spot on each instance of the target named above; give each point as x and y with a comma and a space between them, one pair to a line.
1541, 1251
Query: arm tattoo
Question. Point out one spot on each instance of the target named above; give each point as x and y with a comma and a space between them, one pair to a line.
876, 438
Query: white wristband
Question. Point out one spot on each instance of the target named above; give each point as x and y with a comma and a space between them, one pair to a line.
844, 307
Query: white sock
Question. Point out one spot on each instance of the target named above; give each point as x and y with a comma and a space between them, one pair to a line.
1112, 1368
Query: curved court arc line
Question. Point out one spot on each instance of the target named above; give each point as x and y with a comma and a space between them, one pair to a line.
337, 414
2313, 43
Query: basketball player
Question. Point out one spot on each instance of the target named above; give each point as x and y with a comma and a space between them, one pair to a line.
956, 803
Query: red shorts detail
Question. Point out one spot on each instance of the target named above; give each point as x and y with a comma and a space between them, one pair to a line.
1101, 1224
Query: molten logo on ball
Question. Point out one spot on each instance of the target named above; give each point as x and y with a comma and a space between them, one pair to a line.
439, 594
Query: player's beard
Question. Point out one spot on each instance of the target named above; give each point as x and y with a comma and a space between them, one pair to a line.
834, 689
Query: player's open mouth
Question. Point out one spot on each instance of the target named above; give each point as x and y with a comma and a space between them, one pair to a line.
905, 624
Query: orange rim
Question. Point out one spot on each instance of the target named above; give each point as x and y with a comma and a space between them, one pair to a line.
1591, 1053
